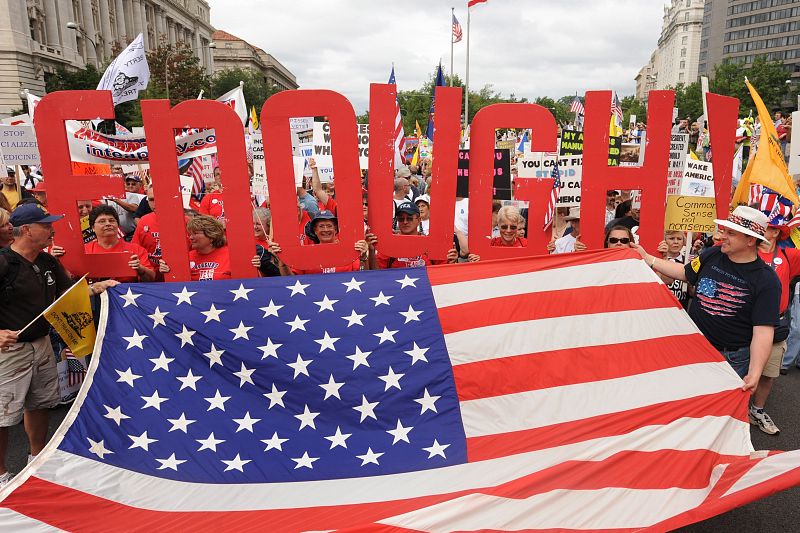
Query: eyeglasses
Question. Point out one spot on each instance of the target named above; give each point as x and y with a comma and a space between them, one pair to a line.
405, 219
508, 226
623, 240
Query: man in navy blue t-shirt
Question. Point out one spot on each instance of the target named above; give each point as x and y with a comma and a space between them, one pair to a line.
738, 294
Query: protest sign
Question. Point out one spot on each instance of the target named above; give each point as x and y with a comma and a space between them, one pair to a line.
690, 213
18, 145
259, 184
322, 139
324, 168
17, 120
794, 149
630, 155
614, 155
540, 165
186, 190
698, 179
300, 166
322, 142
571, 143
507, 144
300, 124
677, 157
425, 148
89, 146
502, 175
363, 146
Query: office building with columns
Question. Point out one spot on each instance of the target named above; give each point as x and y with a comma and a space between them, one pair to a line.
232, 52
38, 36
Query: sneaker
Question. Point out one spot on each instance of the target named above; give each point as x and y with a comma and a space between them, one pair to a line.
5, 479
758, 417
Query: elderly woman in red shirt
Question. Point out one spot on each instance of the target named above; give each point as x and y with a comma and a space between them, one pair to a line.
510, 222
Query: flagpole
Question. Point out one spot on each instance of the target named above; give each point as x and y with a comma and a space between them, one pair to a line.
452, 16
49, 307
466, 82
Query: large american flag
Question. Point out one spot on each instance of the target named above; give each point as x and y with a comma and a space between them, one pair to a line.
457, 32
399, 134
576, 106
563, 392
554, 193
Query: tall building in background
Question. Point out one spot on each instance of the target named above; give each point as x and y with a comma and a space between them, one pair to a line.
675, 60
38, 36
738, 31
232, 52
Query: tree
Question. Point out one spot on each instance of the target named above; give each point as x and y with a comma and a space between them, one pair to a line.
632, 106
767, 77
256, 90
415, 104
689, 100
175, 71
558, 108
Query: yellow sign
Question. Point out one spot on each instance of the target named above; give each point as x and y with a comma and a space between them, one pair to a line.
71, 316
690, 213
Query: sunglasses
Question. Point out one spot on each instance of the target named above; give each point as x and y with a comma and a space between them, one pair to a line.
405, 219
506, 227
614, 240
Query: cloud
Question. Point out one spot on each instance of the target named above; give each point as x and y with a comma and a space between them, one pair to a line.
526, 47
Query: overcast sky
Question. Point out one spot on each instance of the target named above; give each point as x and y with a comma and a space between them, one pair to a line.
527, 47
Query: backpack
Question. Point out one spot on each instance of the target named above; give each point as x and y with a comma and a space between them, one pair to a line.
14, 262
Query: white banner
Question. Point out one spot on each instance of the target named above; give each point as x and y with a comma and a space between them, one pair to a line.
89, 146
363, 146
17, 120
127, 74
18, 145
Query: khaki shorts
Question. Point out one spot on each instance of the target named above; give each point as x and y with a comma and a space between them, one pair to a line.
773, 367
28, 379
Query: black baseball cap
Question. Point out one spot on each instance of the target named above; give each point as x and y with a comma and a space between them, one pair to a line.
32, 213
408, 207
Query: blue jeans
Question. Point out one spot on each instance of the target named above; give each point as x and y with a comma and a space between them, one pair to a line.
739, 360
793, 342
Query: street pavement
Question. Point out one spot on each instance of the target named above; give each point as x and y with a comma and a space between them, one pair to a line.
777, 513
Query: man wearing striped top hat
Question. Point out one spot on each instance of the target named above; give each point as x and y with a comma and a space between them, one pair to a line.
738, 294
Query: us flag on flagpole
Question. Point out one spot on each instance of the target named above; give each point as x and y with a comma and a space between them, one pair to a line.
457, 32
616, 109
505, 395
195, 170
554, 194
399, 134
576, 106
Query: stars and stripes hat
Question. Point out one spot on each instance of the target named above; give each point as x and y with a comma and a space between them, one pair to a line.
746, 220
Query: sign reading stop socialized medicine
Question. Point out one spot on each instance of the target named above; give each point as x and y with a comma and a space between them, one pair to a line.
18, 145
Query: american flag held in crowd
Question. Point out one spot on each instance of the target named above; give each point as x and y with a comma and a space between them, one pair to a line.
580, 310
390, 380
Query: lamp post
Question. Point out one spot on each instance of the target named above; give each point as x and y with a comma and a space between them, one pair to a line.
76, 27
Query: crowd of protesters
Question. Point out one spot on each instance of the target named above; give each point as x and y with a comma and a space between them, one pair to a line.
758, 331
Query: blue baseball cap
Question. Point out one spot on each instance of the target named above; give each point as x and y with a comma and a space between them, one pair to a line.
32, 213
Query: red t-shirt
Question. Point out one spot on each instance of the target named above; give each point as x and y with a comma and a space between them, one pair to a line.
787, 266
263, 243
148, 237
519, 242
214, 265
121, 246
330, 206
211, 205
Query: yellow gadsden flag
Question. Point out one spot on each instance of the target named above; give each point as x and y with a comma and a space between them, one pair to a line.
767, 167
71, 316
